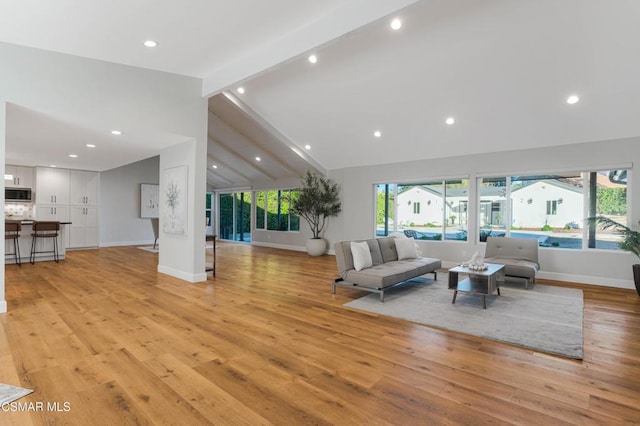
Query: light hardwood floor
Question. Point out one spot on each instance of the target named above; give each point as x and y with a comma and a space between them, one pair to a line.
104, 335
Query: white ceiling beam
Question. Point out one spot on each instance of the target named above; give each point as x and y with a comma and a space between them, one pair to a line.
343, 20
224, 128
240, 158
276, 133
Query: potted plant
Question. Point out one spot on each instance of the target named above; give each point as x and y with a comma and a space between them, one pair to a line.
316, 200
630, 241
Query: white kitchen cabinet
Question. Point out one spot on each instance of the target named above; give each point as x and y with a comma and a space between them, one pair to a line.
52, 212
52, 186
83, 231
20, 177
83, 187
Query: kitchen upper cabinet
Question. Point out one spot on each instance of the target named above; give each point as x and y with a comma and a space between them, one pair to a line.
83, 231
83, 187
20, 177
52, 185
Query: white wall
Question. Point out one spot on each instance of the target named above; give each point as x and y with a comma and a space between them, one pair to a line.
602, 267
3, 300
102, 93
120, 221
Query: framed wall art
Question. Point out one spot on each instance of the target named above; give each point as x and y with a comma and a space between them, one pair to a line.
174, 212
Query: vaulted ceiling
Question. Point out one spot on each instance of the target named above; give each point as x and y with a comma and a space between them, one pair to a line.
237, 138
502, 69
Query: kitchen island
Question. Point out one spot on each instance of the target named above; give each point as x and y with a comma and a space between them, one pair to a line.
25, 240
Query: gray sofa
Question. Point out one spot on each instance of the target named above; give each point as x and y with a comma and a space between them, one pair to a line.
386, 272
518, 255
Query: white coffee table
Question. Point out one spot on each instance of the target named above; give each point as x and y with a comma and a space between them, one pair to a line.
478, 282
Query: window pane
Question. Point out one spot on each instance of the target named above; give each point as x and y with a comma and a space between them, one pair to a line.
272, 210
226, 216
261, 196
284, 211
493, 207
427, 223
549, 208
243, 216
457, 198
294, 219
384, 209
611, 201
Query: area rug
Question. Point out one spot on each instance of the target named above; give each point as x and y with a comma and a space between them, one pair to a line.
10, 393
151, 249
544, 318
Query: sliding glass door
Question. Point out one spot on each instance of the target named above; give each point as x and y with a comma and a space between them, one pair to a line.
235, 216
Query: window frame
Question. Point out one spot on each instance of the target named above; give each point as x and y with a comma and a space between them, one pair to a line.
282, 198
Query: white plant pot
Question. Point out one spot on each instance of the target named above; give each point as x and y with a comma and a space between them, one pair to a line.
316, 247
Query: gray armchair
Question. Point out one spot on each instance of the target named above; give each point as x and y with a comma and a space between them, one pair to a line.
518, 255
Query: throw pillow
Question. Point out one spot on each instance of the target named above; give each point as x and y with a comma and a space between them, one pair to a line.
361, 255
406, 248
403, 236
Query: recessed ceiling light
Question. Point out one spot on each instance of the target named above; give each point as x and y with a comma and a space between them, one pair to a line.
116, 132
377, 133
214, 166
258, 159
90, 145
241, 90
53, 165
396, 24
307, 147
313, 59
573, 99
73, 155
151, 43
450, 121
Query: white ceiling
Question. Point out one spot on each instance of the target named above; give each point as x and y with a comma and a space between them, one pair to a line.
196, 37
502, 68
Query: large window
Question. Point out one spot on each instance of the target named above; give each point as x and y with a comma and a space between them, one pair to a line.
273, 212
553, 208
434, 210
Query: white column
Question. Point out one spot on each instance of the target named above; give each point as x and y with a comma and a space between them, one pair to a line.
3, 301
182, 227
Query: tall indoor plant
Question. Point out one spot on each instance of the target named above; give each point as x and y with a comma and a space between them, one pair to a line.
630, 241
316, 200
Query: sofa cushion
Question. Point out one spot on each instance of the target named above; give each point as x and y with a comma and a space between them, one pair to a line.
394, 272
388, 249
344, 259
361, 255
406, 248
378, 276
374, 249
516, 267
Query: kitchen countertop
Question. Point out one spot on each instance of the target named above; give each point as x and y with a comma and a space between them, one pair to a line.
30, 221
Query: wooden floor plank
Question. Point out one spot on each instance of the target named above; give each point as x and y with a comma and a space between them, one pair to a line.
265, 342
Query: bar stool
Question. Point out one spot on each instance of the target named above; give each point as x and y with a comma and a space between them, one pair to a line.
45, 230
12, 232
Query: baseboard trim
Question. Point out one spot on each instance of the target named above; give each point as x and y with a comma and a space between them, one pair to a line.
286, 247
126, 243
278, 246
185, 276
573, 278
585, 279
3, 306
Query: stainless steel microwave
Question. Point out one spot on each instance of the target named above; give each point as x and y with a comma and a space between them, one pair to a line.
17, 194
